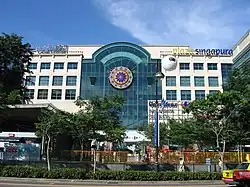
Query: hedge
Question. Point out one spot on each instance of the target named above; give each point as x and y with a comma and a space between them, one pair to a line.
71, 173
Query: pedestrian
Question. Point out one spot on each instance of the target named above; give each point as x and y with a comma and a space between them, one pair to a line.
182, 166
220, 165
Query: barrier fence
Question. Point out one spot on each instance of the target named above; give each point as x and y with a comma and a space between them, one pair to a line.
170, 157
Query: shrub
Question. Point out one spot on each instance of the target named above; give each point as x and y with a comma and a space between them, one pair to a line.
71, 173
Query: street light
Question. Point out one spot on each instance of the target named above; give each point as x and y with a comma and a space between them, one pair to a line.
158, 76
169, 63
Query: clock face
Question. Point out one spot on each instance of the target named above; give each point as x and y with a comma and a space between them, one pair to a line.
120, 77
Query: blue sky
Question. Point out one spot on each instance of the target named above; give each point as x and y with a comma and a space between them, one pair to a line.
198, 23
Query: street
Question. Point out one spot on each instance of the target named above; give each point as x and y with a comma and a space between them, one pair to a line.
33, 183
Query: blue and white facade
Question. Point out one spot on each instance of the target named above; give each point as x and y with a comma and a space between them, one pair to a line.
60, 76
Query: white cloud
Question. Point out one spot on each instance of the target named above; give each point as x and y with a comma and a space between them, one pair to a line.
198, 23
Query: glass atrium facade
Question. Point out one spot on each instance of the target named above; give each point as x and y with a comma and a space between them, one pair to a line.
126, 69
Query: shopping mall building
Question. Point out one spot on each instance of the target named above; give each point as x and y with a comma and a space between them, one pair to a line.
62, 73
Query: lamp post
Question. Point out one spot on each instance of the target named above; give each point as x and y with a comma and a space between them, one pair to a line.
158, 76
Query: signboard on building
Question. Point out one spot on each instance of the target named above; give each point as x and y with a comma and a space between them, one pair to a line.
167, 110
202, 52
50, 49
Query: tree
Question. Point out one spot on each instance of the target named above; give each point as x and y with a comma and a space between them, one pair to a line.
239, 83
148, 131
181, 132
15, 57
101, 114
51, 124
217, 113
188, 132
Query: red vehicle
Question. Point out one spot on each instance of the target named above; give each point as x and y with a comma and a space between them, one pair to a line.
242, 178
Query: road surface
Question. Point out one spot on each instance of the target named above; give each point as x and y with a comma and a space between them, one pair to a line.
32, 183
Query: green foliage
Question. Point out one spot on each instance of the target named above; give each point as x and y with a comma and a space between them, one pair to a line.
148, 131
188, 132
70, 173
227, 114
101, 114
15, 58
53, 122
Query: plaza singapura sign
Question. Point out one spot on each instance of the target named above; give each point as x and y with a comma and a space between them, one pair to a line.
202, 52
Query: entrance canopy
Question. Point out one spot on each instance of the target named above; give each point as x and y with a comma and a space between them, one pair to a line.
22, 117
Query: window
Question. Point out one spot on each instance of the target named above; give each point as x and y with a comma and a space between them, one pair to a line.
72, 65
213, 91
33, 65
30, 93
184, 66
171, 95
184, 81
213, 81
185, 94
58, 65
45, 65
198, 66
57, 81
70, 94
71, 81
199, 94
226, 70
43, 80
212, 66
170, 81
56, 94
30, 81
199, 81
42, 94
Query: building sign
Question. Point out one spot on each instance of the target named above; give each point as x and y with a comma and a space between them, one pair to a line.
202, 52
166, 104
167, 110
120, 77
52, 49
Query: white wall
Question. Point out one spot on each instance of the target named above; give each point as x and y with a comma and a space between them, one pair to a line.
62, 104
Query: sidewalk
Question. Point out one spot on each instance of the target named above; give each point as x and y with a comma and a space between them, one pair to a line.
102, 182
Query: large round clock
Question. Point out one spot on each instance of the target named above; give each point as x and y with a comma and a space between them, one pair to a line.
120, 77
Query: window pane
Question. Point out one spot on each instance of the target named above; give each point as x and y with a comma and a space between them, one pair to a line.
33, 65
30, 81
199, 94
185, 81
45, 65
184, 66
30, 93
72, 65
43, 80
171, 95
213, 81
42, 94
56, 94
70, 94
212, 66
57, 81
198, 66
199, 81
171, 81
71, 81
58, 65
185, 94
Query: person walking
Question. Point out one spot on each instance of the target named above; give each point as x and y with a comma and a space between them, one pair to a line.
181, 167
220, 165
